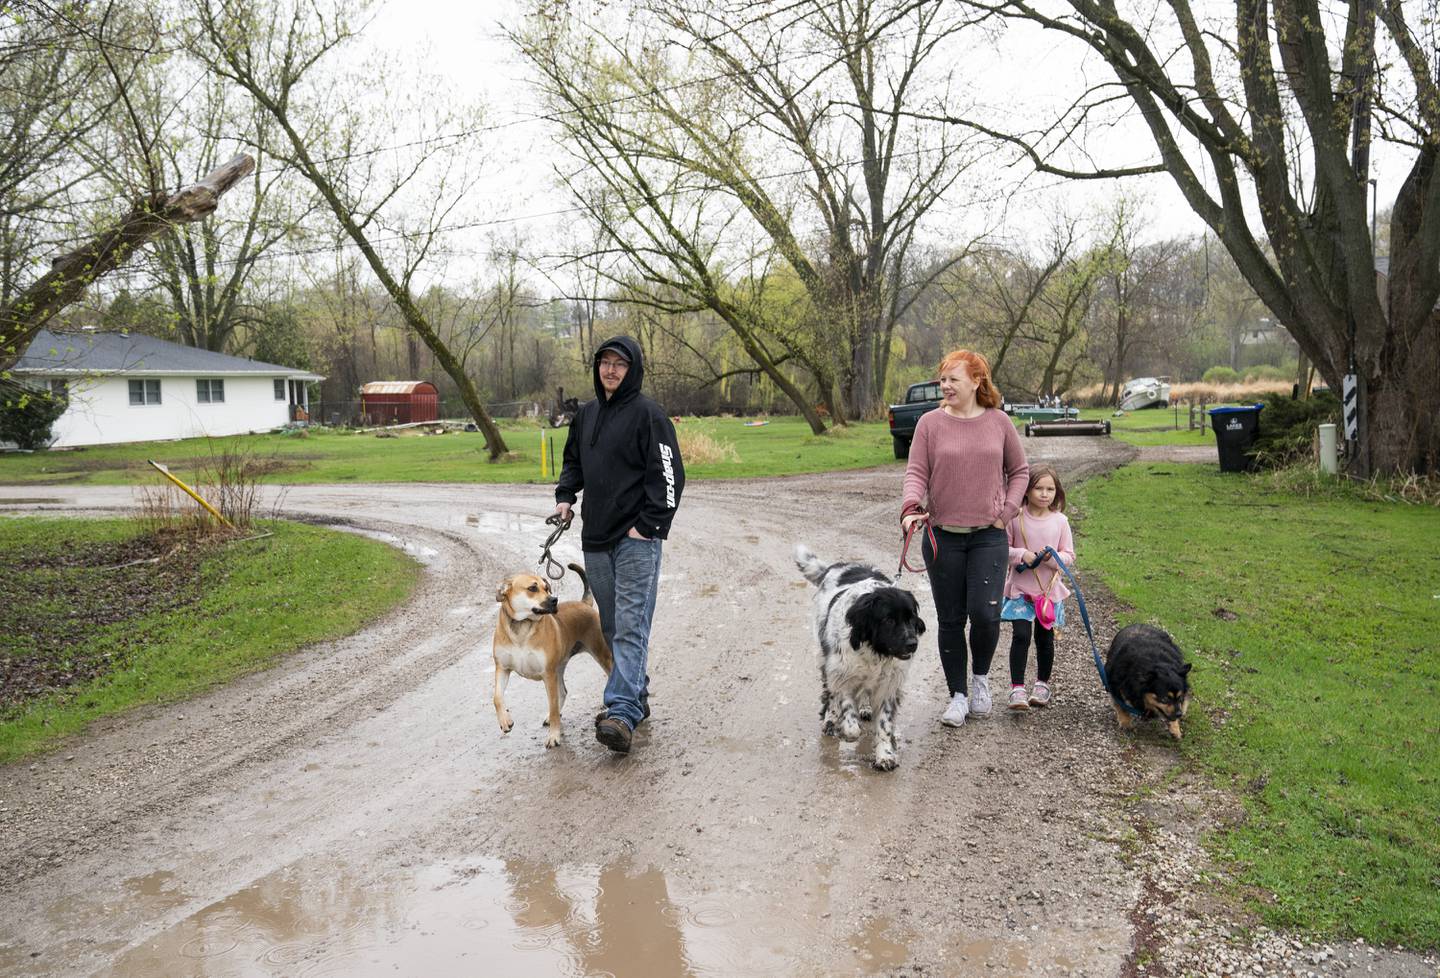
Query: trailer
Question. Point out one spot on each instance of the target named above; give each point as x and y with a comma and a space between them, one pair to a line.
1066, 426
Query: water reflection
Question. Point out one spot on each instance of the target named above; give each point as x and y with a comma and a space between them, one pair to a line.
500, 919
624, 924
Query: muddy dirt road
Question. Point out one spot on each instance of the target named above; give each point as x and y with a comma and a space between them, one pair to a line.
356, 811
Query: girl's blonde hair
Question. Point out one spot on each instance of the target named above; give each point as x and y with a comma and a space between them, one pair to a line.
1038, 472
979, 370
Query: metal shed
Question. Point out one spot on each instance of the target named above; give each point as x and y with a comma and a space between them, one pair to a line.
399, 402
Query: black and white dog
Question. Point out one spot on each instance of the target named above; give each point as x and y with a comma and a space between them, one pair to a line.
868, 631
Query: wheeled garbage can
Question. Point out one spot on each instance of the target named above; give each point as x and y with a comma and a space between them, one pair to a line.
1236, 429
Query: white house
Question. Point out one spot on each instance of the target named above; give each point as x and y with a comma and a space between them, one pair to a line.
126, 387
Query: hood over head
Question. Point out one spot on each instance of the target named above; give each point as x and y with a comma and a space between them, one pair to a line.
630, 349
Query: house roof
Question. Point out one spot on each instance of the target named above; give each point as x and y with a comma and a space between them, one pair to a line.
137, 355
398, 387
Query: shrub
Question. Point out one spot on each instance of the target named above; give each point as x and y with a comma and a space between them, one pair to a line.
27, 416
1287, 427
1220, 375
1265, 371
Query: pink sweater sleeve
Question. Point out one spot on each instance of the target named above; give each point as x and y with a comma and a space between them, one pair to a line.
1017, 474
917, 472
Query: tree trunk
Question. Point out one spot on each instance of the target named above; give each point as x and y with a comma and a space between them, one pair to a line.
71, 274
769, 368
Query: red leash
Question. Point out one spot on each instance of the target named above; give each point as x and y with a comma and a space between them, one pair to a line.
905, 547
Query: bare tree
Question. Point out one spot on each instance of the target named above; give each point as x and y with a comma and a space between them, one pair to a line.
74, 272
793, 111
1274, 113
207, 270
272, 50
54, 92
665, 224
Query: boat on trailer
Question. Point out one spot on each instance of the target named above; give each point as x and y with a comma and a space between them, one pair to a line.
1041, 412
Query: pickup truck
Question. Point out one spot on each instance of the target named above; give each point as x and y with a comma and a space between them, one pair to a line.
919, 398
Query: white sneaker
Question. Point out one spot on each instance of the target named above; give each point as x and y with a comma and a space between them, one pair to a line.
980, 697
954, 715
1019, 699
1041, 696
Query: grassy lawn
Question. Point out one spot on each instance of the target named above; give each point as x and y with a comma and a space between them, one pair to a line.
784, 446
83, 638
1153, 427
1312, 625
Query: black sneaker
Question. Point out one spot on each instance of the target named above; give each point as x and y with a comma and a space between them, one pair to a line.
644, 707
614, 734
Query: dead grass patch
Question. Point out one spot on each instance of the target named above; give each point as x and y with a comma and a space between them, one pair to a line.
696, 447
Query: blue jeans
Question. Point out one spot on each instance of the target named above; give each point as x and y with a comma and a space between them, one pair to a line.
625, 579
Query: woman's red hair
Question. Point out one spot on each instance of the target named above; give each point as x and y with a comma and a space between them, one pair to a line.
978, 368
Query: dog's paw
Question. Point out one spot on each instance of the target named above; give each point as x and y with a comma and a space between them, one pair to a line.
553, 740
506, 724
850, 730
1174, 727
828, 728
885, 763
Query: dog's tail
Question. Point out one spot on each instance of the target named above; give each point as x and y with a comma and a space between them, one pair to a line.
584, 581
809, 564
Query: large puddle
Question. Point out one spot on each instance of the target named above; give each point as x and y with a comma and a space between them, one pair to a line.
500, 919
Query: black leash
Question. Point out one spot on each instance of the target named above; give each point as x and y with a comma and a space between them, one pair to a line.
553, 568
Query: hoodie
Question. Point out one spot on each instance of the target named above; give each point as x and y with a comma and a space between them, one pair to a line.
623, 454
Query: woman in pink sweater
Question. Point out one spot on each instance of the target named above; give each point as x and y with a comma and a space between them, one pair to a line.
966, 477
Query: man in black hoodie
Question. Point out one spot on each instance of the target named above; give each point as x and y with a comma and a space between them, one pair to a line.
622, 452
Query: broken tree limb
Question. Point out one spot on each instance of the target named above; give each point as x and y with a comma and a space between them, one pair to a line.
72, 273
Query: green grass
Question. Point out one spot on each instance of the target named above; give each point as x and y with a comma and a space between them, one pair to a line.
785, 446
1153, 427
1312, 624
234, 612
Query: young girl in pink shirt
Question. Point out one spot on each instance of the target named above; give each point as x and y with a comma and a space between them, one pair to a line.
1040, 524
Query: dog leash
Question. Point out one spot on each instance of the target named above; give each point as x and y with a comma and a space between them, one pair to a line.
1090, 633
553, 568
905, 547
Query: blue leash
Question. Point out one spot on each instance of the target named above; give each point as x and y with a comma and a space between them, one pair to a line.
1090, 632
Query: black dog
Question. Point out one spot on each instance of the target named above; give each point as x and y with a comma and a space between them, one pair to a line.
1147, 672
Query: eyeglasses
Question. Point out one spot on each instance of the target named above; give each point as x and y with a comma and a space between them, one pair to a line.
614, 364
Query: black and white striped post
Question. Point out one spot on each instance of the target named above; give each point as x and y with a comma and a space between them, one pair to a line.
1350, 407
1358, 464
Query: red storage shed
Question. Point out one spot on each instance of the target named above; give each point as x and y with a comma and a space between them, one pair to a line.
399, 402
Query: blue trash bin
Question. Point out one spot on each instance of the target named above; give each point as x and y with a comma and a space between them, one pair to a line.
1236, 429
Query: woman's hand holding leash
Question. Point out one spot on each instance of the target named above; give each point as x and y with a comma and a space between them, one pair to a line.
909, 525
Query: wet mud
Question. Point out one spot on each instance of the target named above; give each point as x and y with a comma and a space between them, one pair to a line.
356, 810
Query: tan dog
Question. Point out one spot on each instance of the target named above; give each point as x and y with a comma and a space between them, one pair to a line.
536, 636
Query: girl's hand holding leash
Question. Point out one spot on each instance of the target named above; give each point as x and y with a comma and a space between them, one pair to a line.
912, 519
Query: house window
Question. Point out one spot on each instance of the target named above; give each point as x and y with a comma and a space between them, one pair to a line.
60, 388
210, 391
144, 392
279, 390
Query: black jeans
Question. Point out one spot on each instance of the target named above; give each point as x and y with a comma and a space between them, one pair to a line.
1020, 651
967, 578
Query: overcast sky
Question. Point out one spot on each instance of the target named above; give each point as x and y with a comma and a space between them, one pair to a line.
1028, 78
